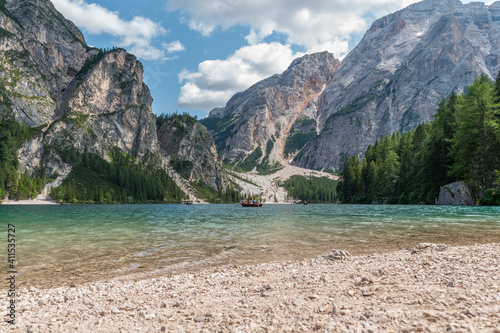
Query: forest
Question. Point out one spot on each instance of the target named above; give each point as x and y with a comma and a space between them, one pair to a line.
311, 190
177, 120
123, 180
461, 144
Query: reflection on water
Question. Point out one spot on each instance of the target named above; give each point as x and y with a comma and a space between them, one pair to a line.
77, 243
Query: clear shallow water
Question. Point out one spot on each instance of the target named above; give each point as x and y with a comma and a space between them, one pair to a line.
57, 245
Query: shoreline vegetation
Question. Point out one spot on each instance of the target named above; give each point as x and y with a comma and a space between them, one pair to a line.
432, 288
462, 144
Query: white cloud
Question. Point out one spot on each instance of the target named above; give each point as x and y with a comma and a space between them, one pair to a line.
315, 25
218, 80
175, 46
136, 35
312, 24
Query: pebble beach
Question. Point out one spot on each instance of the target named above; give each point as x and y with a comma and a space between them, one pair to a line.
432, 288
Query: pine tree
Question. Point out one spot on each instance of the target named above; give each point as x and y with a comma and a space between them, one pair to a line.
350, 184
476, 143
436, 160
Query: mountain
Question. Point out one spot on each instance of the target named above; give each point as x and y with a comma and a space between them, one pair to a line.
396, 76
74, 96
41, 53
191, 150
81, 97
265, 114
391, 81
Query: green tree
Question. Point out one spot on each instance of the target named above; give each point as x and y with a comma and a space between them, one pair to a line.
476, 143
350, 183
436, 160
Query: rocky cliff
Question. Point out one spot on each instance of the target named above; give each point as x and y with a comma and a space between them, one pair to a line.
191, 150
396, 76
80, 97
103, 107
267, 111
391, 81
107, 106
40, 54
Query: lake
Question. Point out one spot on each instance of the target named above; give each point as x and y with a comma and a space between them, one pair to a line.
71, 244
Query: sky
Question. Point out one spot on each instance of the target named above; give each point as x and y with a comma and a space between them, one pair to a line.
198, 53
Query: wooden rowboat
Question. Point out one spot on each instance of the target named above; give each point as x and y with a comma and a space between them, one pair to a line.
248, 204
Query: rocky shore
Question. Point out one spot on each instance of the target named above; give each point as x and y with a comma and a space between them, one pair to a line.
433, 288
29, 202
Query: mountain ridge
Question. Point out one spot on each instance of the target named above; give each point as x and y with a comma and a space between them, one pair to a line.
268, 109
395, 77
391, 81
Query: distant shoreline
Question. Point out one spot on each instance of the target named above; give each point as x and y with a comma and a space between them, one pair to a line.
53, 202
29, 202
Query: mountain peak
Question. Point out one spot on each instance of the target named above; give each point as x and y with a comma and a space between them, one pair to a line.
264, 114
436, 3
312, 58
395, 77
495, 5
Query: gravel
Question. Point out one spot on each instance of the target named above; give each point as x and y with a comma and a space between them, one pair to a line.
454, 289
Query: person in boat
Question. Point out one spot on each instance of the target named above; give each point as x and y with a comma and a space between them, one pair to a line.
254, 202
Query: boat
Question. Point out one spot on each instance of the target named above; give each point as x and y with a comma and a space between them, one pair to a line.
249, 204
189, 203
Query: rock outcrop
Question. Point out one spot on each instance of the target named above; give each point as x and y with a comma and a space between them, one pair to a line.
40, 54
395, 77
269, 109
187, 142
456, 194
107, 106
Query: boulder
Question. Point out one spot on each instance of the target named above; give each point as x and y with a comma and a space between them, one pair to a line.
428, 247
456, 194
334, 255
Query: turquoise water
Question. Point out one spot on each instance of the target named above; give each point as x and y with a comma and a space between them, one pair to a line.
57, 245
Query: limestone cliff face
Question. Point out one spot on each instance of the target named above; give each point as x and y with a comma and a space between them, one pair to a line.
391, 81
107, 106
82, 97
40, 53
396, 76
268, 110
104, 108
185, 139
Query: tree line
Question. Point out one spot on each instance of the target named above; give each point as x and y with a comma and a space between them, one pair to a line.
461, 144
94, 59
313, 190
230, 194
177, 120
123, 180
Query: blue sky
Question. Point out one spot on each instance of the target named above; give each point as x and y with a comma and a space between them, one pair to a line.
198, 53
